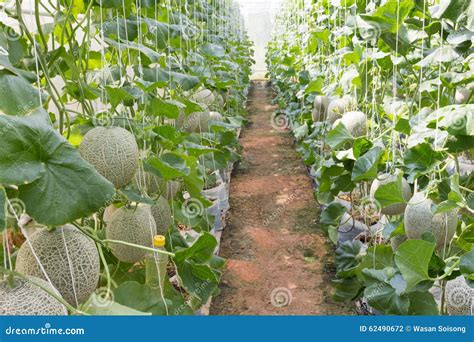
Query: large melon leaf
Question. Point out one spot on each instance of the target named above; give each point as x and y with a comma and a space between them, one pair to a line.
55, 183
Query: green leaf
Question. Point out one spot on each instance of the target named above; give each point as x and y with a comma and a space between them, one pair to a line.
365, 167
201, 250
17, 96
383, 297
422, 304
347, 258
450, 9
390, 193
412, 258
56, 185
3, 209
145, 299
167, 108
338, 136
346, 289
314, 86
168, 166
466, 266
422, 158
98, 306
213, 50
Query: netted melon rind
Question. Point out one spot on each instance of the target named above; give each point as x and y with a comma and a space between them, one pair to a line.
419, 219
459, 297
70, 259
113, 151
135, 226
216, 116
162, 214
26, 298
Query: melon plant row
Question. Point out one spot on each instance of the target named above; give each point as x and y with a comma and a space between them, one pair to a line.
380, 98
115, 117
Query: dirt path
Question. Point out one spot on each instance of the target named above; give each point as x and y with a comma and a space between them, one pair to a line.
274, 248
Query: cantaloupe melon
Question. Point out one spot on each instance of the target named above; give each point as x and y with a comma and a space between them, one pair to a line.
396, 241
135, 225
197, 122
462, 95
171, 189
113, 152
459, 297
216, 116
161, 212
69, 257
419, 219
396, 208
336, 109
320, 108
219, 101
355, 123
149, 182
25, 298
204, 96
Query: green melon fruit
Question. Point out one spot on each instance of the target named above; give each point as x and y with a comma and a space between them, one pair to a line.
396, 241
197, 122
462, 95
219, 102
26, 298
320, 108
396, 208
336, 109
459, 297
135, 226
69, 258
113, 152
149, 182
216, 116
355, 123
204, 96
161, 212
171, 189
419, 219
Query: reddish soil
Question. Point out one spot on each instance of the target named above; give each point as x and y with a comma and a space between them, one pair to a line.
271, 240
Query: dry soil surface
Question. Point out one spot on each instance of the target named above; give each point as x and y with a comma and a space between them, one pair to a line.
279, 263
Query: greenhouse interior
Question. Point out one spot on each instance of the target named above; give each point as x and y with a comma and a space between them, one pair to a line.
236, 157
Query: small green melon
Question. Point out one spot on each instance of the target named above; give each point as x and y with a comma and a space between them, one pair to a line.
216, 116
161, 212
459, 297
336, 109
320, 108
149, 182
135, 226
355, 122
113, 151
69, 258
197, 122
25, 298
396, 241
396, 208
419, 219
205, 96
